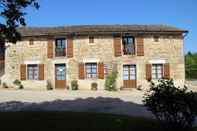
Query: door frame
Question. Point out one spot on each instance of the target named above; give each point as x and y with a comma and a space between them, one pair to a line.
129, 83
65, 81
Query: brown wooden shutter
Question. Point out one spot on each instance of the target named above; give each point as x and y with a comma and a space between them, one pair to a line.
81, 71
140, 45
100, 70
117, 46
23, 72
41, 71
167, 71
50, 48
148, 72
69, 46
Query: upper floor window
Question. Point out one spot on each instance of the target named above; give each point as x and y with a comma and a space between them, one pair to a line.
91, 39
33, 72
60, 47
91, 70
128, 45
157, 71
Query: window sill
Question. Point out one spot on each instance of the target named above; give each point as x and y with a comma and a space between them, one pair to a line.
132, 55
60, 57
91, 79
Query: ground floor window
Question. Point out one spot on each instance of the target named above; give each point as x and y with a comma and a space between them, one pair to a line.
129, 72
91, 70
157, 71
33, 72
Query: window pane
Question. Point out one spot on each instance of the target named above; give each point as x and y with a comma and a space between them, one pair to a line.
33, 72
132, 77
91, 70
128, 45
125, 77
157, 71
159, 76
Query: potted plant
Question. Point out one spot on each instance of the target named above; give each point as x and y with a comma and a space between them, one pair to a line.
94, 86
74, 85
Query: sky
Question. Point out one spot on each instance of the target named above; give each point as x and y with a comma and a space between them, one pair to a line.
179, 13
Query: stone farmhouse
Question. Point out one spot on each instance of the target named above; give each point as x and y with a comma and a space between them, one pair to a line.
88, 53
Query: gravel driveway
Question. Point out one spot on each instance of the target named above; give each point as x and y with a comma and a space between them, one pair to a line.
123, 102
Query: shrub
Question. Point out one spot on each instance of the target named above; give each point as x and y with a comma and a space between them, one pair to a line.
21, 87
94, 86
49, 85
18, 84
4, 85
74, 85
110, 82
174, 107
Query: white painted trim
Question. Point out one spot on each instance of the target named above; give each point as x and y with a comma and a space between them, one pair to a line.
32, 62
157, 61
60, 60
91, 60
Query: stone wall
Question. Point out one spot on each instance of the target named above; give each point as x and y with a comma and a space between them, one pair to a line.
169, 48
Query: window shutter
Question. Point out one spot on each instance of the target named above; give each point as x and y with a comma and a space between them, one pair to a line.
23, 71
148, 72
81, 71
41, 71
117, 46
100, 70
167, 71
69, 46
50, 48
140, 46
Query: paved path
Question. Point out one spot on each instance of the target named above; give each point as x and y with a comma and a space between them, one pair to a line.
124, 102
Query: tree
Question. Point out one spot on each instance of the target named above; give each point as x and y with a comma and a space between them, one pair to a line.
191, 65
12, 13
175, 108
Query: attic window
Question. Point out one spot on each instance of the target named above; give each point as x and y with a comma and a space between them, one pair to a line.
31, 42
91, 39
156, 38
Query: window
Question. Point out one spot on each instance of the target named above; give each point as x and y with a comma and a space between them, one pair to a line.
156, 38
91, 70
33, 72
91, 39
128, 45
60, 72
157, 71
60, 46
129, 72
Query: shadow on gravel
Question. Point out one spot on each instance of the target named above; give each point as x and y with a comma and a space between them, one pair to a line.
91, 113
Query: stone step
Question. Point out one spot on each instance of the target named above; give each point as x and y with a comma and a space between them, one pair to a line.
127, 89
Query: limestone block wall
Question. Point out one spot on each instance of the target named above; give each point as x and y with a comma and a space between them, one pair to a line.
169, 48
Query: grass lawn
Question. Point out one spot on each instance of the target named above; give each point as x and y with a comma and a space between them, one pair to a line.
72, 121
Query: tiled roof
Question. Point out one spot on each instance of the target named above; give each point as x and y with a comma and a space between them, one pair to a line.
101, 29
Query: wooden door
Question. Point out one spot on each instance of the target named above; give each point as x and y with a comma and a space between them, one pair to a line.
129, 76
60, 76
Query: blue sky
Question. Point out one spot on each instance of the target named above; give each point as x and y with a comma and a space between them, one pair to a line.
180, 13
